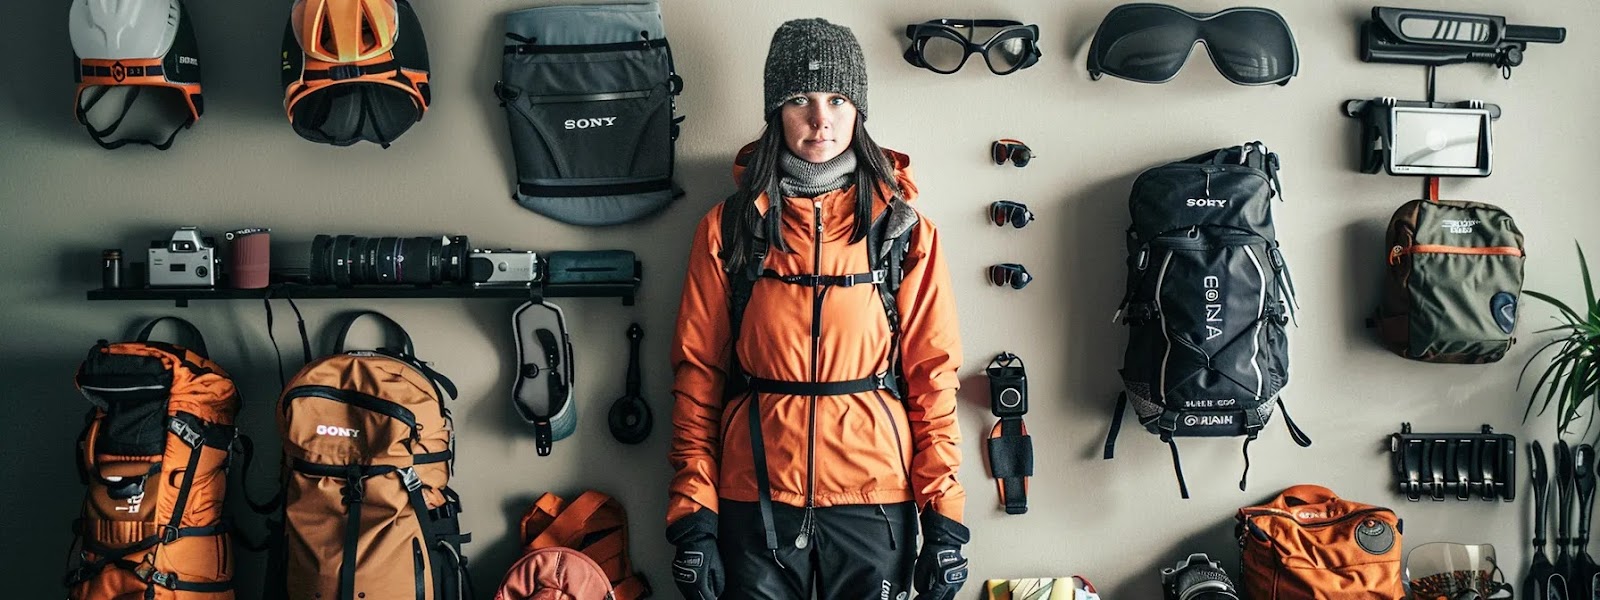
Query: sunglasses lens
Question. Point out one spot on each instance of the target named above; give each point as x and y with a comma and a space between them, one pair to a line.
1019, 217
999, 276
999, 151
1021, 155
1008, 55
943, 54
998, 214
1020, 279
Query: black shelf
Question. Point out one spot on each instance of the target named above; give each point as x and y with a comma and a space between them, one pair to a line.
298, 291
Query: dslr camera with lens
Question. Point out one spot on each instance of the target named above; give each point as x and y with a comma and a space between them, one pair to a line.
1197, 578
186, 259
346, 260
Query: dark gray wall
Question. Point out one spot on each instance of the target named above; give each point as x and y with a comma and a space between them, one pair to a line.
62, 199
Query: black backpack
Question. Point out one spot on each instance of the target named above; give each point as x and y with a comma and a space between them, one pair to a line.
1207, 301
589, 95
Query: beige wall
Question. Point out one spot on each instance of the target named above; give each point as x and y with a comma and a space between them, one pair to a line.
62, 199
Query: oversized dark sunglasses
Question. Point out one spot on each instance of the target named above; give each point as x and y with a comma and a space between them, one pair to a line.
1008, 149
1006, 211
1149, 43
1011, 274
943, 45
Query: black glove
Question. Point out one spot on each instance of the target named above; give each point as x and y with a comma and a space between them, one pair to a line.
697, 567
941, 569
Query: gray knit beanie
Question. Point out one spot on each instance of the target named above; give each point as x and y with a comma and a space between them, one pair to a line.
813, 55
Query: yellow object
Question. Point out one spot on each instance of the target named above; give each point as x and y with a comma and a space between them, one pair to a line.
1045, 588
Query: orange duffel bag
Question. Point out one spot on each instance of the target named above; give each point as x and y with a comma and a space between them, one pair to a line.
1309, 544
593, 524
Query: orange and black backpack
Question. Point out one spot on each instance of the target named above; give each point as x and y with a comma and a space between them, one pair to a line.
154, 456
367, 512
1309, 544
592, 524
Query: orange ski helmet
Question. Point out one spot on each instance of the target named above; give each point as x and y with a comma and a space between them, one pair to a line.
354, 70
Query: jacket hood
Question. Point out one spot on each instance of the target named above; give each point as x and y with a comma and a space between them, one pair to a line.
898, 162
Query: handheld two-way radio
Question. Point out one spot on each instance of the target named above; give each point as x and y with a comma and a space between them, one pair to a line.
1010, 447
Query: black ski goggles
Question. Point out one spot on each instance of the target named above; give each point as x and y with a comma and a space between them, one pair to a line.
1149, 43
1007, 149
1006, 211
943, 45
1011, 274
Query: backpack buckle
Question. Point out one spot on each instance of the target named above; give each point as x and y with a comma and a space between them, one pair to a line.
353, 492
410, 479
181, 428
168, 535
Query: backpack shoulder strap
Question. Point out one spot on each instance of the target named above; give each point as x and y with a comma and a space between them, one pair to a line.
740, 287
888, 242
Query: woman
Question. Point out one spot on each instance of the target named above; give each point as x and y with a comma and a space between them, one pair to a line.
801, 467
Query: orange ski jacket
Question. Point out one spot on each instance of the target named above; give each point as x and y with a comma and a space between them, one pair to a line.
863, 448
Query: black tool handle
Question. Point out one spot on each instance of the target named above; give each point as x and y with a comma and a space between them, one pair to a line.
1535, 33
1583, 463
1541, 493
635, 335
1564, 492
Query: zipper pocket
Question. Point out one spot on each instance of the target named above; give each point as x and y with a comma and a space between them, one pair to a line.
1396, 252
895, 429
356, 399
887, 524
1273, 512
417, 568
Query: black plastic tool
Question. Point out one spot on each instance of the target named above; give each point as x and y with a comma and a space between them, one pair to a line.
1581, 580
1564, 492
629, 417
1542, 582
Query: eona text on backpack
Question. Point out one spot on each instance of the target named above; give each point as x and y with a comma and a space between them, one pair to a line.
154, 456
1453, 284
1207, 302
367, 510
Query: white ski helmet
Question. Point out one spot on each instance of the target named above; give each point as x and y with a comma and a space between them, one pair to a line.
138, 70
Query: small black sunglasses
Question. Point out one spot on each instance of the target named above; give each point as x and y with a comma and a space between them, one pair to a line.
1006, 211
944, 45
1017, 152
1011, 274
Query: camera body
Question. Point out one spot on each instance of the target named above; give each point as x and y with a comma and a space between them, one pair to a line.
186, 259
1008, 386
503, 267
1197, 578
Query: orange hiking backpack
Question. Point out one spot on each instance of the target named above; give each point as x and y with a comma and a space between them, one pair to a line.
154, 456
367, 452
1309, 544
594, 524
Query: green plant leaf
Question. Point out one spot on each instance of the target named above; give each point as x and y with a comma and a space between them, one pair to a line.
1571, 315
1588, 286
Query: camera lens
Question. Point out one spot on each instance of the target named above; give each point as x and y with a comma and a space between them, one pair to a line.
320, 271
453, 263
347, 260
342, 261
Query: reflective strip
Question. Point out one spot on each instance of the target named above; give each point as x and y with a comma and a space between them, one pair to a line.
124, 389
1261, 309
1160, 279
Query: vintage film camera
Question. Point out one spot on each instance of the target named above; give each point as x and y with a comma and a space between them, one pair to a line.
503, 267
187, 259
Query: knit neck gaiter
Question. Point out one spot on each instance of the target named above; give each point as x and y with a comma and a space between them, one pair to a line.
803, 179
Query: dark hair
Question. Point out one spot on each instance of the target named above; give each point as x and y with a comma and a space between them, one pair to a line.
873, 170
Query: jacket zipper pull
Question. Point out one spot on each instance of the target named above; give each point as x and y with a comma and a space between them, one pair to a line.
804, 539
